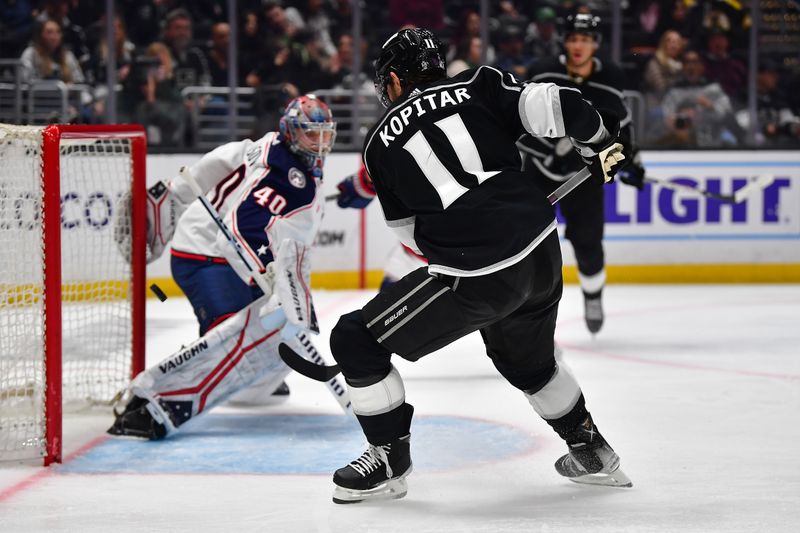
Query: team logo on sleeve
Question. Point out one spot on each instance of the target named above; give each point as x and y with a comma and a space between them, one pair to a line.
297, 178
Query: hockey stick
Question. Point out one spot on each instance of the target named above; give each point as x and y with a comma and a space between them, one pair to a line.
566, 188
333, 384
739, 196
315, 371
331, 197
325, 372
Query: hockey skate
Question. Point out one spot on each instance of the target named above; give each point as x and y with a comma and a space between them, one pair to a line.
593, 311
136, 421
379, 474
591, 460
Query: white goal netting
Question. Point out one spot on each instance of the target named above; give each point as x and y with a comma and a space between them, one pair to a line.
96, 307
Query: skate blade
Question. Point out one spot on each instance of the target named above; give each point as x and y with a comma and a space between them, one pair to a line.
617, 478
394, 489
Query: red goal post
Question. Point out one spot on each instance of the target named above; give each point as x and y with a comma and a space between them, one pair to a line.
72, 301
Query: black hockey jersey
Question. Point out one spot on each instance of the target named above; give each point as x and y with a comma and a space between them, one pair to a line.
555, 158
447, 171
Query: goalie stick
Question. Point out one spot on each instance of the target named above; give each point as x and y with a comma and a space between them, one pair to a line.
335, 388
326, 372
739, 196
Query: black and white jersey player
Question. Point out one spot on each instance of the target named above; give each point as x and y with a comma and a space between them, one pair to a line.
551, 161
447, 174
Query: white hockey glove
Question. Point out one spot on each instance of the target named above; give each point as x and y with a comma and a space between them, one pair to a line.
603, 157
163, 211
293, 288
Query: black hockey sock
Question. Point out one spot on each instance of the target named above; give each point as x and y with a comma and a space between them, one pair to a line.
567, 425
593, 295
387, 427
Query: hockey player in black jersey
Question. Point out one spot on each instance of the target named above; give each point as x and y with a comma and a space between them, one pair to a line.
447, 174
551, 161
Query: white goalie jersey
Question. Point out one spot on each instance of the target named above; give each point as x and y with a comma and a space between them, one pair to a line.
264, 194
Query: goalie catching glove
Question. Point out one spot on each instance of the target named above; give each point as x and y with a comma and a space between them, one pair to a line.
603, 153
163, 211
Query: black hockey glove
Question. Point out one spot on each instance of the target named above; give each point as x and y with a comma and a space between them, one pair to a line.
633, 173
603, 158
355, 191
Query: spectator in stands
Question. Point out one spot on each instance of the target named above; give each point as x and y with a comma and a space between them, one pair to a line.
779, 126
153, 98
123, 54
280, 28
218, 54
143, 19
511, 54
342, 64
697, 112
251, 47
306, 65
419, 13
469, 26
508, 15
47, 58
314, 18
16, 27
721, 67
467, 56
74, 37
664, 69
542, 39
189, 63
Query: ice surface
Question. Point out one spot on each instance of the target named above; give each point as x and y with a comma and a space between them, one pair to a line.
697, 388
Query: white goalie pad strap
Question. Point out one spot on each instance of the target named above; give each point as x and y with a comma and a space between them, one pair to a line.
293, 284
380, 397
540, 110
593, 283
558, 397
227, 359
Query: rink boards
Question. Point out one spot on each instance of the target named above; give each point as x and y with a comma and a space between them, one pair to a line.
654, 235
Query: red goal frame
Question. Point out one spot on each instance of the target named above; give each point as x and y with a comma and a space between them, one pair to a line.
51, 220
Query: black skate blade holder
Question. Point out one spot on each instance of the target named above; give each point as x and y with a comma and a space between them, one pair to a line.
305, 367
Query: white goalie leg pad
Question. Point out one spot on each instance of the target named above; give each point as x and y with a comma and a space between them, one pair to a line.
558, 397
226, 360
380, 397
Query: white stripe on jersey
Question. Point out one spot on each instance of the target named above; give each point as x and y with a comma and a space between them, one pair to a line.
500, 265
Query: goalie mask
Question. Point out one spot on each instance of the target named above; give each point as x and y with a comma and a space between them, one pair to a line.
413, 55
309, 130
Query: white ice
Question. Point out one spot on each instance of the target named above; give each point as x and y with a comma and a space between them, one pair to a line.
697, 388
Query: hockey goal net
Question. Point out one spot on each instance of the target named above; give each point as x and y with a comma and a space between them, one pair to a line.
71, 297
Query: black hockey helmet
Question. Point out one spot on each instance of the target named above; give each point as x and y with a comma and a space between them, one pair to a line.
584, 23
413, 54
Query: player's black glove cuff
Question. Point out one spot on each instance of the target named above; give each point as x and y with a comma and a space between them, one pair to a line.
632, 173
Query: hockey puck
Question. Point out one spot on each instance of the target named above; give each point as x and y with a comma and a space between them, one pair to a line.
158, 292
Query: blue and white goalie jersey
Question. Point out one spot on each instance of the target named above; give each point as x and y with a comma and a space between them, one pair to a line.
263, 192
